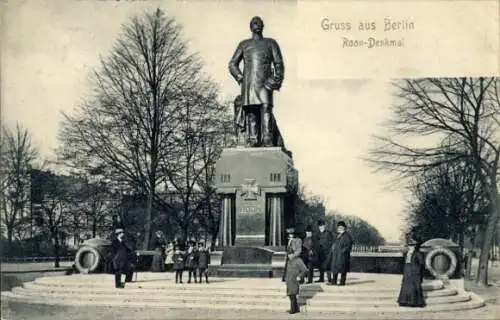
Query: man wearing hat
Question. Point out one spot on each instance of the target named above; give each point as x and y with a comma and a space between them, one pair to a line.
121, 263
341, 254
289, 235
323, 244
295, 269
307, 254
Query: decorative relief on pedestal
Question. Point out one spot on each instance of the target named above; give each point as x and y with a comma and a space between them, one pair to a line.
250, 190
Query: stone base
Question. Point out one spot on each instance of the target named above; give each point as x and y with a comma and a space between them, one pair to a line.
257, 188
247, 255
241, 261
245, 271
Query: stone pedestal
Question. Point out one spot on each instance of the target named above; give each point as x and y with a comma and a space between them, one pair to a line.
257, 188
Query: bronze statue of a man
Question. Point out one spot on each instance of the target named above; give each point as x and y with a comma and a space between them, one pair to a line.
263, 73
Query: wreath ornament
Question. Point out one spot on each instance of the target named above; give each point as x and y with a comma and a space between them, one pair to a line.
95, 263
453, 262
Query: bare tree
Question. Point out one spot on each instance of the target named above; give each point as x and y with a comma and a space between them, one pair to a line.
197, 145
54, 197
363, 232
17, 156
211, 148
128, 124
95, 204
448, 201
460, 118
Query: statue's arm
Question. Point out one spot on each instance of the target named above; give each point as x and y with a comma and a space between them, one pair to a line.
279, 66
234, 64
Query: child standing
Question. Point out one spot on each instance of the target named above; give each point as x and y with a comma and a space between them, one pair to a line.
203, 261
178, 263
192, 261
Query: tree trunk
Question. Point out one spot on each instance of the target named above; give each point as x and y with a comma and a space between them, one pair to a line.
10, 235
185, 231
94, 227
461, 240
56, 250
147, 224
482, 272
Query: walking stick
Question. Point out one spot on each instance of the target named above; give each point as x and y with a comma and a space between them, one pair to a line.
136, 264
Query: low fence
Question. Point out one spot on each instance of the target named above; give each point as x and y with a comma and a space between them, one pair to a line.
366, 248
35, 259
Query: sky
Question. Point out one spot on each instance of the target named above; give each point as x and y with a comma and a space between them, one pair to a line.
49, 49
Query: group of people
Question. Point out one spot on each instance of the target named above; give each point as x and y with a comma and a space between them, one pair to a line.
332, 254
323, 251
195, 259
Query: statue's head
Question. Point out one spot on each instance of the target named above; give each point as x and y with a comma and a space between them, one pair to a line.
256, 25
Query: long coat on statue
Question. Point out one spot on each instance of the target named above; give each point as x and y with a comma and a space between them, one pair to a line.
263, 70
341, 254
295, 267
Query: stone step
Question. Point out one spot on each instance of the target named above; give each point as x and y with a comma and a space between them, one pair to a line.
180, 297
210, 287
264, 285
249, 293
327, 308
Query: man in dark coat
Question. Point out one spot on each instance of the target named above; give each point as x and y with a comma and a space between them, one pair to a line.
121, 259
307, 254
341, 254
323, 244
295, 269
289, 235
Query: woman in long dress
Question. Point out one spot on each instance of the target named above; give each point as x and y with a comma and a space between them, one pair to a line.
412, 293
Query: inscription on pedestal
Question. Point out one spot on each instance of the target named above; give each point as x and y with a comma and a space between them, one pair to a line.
249, 210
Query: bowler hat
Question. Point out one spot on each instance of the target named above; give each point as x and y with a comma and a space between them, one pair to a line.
321, 223
341, 224
309, 229
412, 241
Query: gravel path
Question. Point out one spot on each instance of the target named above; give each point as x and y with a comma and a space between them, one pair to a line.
18, 311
